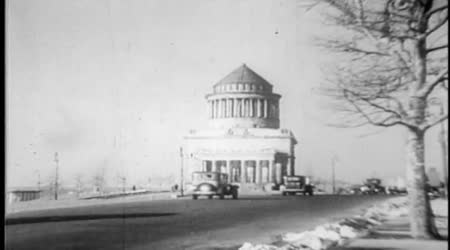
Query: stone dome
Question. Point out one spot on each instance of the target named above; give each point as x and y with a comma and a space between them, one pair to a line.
243, 99
243, 79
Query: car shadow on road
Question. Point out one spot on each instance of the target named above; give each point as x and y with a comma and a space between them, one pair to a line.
43, 219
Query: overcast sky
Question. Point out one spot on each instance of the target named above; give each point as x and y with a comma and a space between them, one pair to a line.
116, 84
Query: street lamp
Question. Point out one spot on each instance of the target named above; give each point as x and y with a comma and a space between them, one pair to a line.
182, 174
333, 177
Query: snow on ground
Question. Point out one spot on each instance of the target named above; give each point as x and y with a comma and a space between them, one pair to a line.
339, 233
440, 207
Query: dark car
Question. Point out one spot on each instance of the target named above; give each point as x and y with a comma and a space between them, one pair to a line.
212, 184
294, 184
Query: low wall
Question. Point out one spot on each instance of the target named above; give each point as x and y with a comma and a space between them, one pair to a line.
43, 204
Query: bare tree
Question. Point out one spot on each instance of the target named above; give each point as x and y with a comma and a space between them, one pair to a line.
393, 57
99, 180
79, 184
122, 178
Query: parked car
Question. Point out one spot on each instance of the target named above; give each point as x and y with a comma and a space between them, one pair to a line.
396, 190
294, 184
212, 184
373, 186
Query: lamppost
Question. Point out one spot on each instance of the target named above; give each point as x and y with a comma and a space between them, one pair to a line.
56, 175
333, 177
181, 173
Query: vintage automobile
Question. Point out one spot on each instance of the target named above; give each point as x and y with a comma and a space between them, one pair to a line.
373, 186
212, 184
296, 184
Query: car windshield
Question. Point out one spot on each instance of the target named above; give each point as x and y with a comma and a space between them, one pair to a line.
205, 177
293, 179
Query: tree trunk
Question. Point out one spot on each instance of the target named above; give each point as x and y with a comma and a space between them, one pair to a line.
420, 213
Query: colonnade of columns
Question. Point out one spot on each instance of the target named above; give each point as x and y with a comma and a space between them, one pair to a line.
248, 171
242, 107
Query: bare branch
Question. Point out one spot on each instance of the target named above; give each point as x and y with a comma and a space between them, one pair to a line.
385, 122
437, 48
434, 11
429, 88
437, 26
430, 125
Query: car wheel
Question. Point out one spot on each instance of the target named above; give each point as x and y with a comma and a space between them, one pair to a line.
235, 195
311, 193
210, 197
194, 197
283, 193
221, 196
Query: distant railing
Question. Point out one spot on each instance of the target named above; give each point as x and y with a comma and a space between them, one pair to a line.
118, 194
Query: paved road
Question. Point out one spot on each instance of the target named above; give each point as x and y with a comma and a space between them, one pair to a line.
177, 224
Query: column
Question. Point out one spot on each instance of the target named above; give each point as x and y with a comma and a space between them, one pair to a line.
271, 177
222, 108
247, 107
258, 172
250, 107
215, 108
229, 170
214, 165
235, 113
243, 172
265, 109
289, 166
277, 110
258, 107
225, 104
279, 172
218, 108
210, 109
203, 165
231, 107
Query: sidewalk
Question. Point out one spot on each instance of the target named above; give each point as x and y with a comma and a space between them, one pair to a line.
394, 234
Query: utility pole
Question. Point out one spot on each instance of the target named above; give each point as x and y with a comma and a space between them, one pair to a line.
182, 174
443, 143
56, 176
124, 181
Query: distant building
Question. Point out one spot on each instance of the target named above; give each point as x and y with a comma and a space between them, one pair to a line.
18, 195
244, 138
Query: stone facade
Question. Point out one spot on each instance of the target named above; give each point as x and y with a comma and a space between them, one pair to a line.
244, 138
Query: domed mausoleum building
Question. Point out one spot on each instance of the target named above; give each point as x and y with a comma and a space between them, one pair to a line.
244, 138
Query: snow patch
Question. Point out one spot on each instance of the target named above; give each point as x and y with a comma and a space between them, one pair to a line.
331, 234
